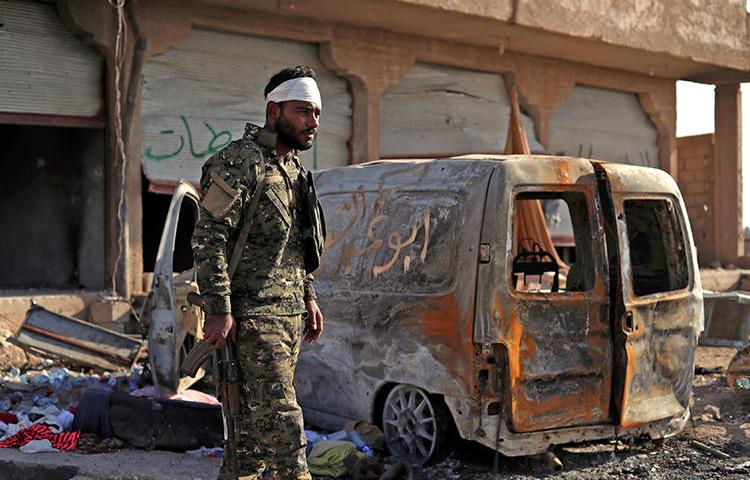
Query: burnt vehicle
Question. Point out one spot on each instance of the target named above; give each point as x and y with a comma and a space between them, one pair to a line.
442, 317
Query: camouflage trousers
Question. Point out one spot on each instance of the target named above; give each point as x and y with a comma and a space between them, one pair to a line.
272, 438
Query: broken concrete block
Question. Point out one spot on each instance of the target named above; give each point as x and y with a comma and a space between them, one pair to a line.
109, 311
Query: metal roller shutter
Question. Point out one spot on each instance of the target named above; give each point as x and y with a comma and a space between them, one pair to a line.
439, 111
198, 96
46, 69
605, 125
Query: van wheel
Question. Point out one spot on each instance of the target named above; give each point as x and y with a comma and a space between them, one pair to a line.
416, 425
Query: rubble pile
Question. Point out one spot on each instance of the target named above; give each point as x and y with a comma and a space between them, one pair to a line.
38, 406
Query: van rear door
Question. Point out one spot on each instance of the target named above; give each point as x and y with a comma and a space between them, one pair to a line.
550, 320
661, 308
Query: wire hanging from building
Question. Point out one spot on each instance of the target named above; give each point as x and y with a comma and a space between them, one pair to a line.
119, 60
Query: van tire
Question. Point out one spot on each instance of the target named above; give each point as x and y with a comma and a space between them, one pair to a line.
417, 426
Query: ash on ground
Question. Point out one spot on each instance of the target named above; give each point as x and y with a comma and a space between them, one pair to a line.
721, 419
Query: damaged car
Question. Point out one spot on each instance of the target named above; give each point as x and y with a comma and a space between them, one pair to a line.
447, 311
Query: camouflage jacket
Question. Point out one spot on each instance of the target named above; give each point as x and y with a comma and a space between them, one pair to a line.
270, 278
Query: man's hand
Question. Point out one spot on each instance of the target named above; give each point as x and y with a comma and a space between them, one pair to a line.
216, 329
313, 322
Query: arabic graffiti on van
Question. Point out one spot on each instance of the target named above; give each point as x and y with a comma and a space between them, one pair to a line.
218, 141
396, 241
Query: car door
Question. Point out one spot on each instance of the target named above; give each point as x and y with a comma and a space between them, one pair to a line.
174, 324
662, 309
556, 332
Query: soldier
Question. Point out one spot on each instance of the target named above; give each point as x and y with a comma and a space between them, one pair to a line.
262, 307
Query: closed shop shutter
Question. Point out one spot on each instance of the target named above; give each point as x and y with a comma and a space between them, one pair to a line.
45, 68
198, 96
605, 125
438, 111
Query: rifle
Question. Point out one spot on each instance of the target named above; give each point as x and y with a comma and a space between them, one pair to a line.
226, 372
227, 377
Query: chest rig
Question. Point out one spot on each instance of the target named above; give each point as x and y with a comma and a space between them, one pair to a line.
313, 221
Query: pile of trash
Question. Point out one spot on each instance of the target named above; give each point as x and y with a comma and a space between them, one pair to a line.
54, 408
38, 407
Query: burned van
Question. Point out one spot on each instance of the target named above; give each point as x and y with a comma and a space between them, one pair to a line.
444, 313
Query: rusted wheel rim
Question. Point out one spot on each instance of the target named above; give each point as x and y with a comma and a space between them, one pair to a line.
409, 424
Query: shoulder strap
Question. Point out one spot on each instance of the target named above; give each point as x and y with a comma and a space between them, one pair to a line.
249, 216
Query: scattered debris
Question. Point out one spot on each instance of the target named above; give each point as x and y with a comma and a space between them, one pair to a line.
91, 443
77, 341
727, 319
699, 370
398, 471
711, 450
738, 370
215, 452
38, 446
356, 452
550, 461
713, 413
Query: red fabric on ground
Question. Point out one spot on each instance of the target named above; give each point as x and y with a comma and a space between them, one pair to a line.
8, 418
61, 441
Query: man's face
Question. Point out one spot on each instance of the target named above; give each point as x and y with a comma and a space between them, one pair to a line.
298, 124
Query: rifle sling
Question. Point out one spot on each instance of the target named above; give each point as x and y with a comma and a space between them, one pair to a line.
247, 225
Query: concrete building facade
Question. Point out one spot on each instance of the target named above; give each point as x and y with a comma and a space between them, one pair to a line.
399, 78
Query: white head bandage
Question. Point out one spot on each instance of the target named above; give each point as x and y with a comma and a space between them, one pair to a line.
304, 89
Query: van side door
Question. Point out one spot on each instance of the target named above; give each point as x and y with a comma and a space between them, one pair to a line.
661, 314
549, 315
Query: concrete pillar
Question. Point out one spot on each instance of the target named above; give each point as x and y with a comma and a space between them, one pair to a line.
365, 140
660, 104
728, 173
541, 92
371, 64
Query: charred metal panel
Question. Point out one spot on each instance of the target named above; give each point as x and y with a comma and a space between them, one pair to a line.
559, 344
494, 232
485, 430
660, 352
78, 341
564, 370
660, 329
396, 284
170, 321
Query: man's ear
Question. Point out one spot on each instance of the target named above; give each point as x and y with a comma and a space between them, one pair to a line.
273, 112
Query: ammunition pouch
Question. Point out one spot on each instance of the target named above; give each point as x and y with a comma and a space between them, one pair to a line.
314, 227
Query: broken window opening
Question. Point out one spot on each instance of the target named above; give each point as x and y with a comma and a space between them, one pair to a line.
566, 218
658, 261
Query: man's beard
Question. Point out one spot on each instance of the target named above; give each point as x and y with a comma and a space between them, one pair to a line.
288, 136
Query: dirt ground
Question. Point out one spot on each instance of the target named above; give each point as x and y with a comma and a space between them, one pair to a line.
721, 418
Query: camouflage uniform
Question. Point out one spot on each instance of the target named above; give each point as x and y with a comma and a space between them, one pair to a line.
266, 295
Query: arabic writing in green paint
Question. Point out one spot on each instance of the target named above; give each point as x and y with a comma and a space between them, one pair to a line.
218, 141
